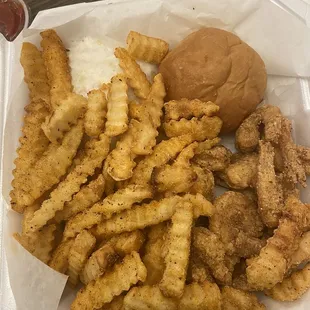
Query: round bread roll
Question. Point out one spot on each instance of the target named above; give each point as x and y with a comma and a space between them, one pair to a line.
215, 65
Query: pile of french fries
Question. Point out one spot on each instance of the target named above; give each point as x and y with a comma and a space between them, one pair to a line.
113, 190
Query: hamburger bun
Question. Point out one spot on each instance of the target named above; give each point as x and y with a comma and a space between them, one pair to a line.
215, 65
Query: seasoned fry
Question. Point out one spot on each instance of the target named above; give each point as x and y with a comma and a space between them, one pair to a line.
64, 116
177, 257
59, 260
201, 129
35, 74
32, 145
153, 258
121, 200
72, 183
117, 115
57, 66
302, 254
146, 48
137, 79
112, 284
233, 299
95, 113
79, 252
292, 287
269, 193
48, 170
87, 196
109, 181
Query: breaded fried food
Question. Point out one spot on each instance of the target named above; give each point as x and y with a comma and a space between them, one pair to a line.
148, 49
302, 254
137, 79
117, 115
178, 177
198, 271
57, 66
72, 183
121, 200
96, 113
115, 304
211, 251
59, 260
33, 143
178, 250
112, 284
233, 299
269, 192
235, 214
35, 74
87, 196
153, 258
79, 252
304, 156
248, 134
292, 287
64, 117
214, 159
293, 169
48, 170
204, 183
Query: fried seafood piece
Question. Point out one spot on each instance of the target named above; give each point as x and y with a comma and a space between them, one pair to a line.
163, 152
57, 66
241, 173
178, 250
237, 223
117, 115
153, 257
79, 252
178, 177
270, 266
121, 200
204, 183
64, 117
33, 143
269, 191
293, 169
49, 168
35, 74
96, 113
198, 271
137, 79
101, 291
292, 287
304, 156
239, 279
153, 213
148, 49
233, 299
116, 304
302, 254
248, 134
60, 256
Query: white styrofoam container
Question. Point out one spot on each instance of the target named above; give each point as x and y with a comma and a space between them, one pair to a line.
299, 8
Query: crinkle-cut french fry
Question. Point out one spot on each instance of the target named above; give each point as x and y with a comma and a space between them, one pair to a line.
177, 257
59, 260
292, 287
79, 252
204, 183
64, 116
57, 66
96, 113
201, 129
102, 291
119, 201
163, 152
109, 181
269, 194
72, 183
233, 299
150, 214
33, 143
48, 170
117, 115
148, 49
153, 258
137, 79
185, 108
115, 304
35, 74
82, 200
302, 254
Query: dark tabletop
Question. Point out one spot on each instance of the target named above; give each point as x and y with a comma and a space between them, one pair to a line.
39, 5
